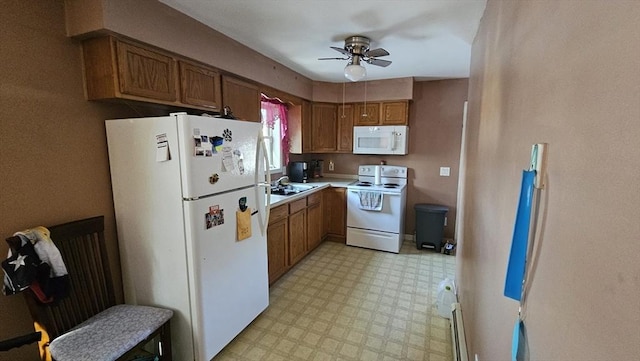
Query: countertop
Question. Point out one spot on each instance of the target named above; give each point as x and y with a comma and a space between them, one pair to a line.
319, 183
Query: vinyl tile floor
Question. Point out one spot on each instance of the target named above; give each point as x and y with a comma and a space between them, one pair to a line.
348, 303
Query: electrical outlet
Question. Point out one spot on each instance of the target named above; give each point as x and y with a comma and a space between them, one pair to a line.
445, 171
331, 166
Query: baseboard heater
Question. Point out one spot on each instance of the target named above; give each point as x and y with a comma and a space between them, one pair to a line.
458, 341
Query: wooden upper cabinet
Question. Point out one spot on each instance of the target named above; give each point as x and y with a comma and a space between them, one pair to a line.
367, 115
345, 128
299, 126
395, 113
146, 73
323, 127
242, 98
307, 135
115, 68
200, 85
382, 113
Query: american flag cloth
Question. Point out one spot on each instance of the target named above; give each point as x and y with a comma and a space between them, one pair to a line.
37, 265
20, 269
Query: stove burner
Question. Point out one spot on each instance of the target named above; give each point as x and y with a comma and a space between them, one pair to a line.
364, 184
390, 185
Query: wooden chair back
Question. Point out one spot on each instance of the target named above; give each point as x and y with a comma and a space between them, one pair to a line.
82, 245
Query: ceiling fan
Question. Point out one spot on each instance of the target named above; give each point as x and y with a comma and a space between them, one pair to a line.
356, 49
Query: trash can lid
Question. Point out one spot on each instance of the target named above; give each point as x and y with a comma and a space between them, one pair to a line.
433, 208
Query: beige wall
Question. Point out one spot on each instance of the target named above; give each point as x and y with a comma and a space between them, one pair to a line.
565, 73
53, 158
435, 128
375, 90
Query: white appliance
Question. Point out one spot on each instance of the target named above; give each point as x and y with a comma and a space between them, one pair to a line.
180, 184
380, 228
385, 139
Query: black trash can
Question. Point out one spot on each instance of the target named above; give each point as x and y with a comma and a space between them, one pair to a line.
430, 224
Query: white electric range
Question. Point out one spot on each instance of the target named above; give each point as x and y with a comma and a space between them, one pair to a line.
382, 227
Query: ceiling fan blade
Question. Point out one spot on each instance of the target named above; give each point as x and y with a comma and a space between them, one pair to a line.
379, 62
333, 58
376, 52
343, 51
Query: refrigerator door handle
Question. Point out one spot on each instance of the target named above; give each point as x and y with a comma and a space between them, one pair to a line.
263, 158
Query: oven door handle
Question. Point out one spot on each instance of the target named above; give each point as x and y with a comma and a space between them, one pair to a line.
386, 194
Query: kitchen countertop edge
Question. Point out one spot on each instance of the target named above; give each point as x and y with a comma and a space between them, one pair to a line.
342, 182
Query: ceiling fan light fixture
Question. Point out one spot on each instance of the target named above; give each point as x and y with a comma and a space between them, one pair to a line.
355, 72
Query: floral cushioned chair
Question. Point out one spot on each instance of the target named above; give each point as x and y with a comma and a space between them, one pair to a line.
87, 324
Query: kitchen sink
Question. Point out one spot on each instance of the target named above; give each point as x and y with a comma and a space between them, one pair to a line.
290, 189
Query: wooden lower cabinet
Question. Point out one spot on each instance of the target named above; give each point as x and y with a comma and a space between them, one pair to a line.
294, 230
298, 227
297, 236
314, 224
335, 220
277, 248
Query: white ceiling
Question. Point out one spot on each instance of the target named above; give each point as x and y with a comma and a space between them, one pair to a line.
427, 39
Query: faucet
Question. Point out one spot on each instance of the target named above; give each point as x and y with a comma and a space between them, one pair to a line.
284, 180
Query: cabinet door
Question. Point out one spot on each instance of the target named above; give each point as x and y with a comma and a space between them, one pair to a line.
297, 236
345, 128
314, 225
146, 73
307, 135
200, 86
335, 219
395, 113
243, 98
323, 127
277, 248
367, 115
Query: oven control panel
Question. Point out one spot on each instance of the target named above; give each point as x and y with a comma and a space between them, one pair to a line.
385, 171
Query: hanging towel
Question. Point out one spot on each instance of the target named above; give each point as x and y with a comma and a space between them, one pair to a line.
370, 201
519, 243
50, 281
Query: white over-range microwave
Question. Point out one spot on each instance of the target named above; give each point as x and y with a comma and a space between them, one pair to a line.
384, 139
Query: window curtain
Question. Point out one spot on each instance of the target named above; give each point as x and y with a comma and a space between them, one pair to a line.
275, 109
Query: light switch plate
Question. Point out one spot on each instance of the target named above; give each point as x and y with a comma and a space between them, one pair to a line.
445, 171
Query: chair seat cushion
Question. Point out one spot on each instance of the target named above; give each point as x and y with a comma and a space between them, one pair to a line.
109, 334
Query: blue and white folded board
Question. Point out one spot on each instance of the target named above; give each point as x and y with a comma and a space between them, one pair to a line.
519, 244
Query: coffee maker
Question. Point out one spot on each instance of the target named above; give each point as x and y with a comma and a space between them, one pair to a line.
316, 165
298, 172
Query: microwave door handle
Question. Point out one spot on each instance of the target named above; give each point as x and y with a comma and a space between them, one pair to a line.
393, 141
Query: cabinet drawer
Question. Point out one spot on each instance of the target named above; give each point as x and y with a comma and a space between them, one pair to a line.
297, 205
278, 213
314, 198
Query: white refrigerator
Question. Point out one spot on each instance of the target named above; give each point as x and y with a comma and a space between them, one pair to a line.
191, 200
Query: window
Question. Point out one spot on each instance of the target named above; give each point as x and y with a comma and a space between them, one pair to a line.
271, 133
274, 130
